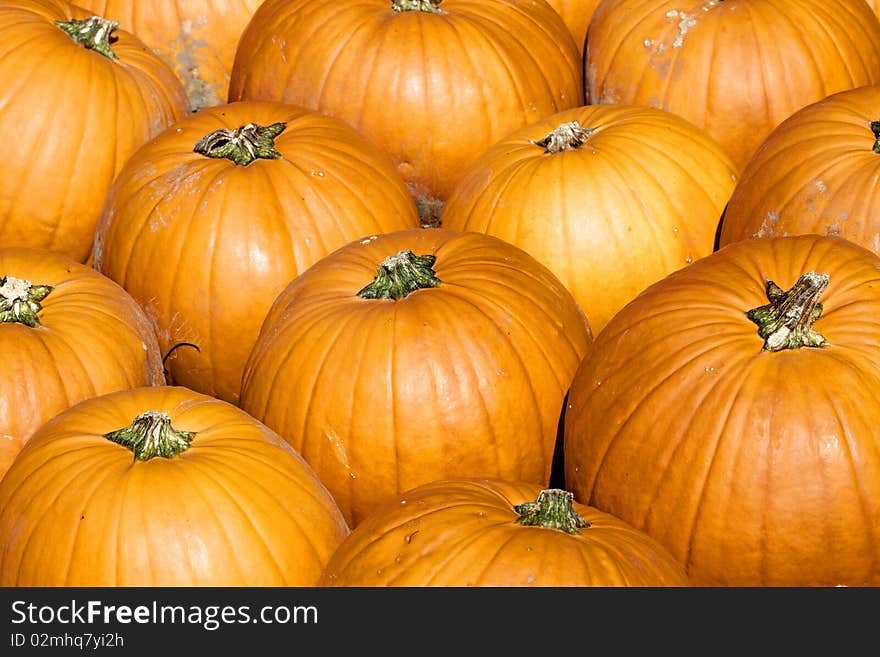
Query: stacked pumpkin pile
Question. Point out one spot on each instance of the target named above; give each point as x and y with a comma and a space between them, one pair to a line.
402, 292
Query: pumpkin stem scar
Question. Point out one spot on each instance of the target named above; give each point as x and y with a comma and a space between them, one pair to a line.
427, 6
553, 509
151, 434
91, 33
875, 128
243, 145
787, 321
399, 275
566, 137
20, 301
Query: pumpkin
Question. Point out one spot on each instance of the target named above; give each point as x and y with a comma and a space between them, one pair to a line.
417, 355
67, 333
196, 38
209, 221
576, 14
162, 486
816, 173
433, 85
77, 97
735, 68
730, 411
611, 198
476, 532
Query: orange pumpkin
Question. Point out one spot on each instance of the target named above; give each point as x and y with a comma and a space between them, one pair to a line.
433, 85
730, 411
196, 38
736, 68
162, 486
205, 237
67, 333
577, 15
817, 172
472, 532
76, 99
611, 198
453, 362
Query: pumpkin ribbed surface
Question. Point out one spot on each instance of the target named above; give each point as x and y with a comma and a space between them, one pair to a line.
205, 244
736, 68
629, 195
465, 378
471, 533
432, 88
754, 466
238, 507
196, 38
818, 172
74, 116
84, 337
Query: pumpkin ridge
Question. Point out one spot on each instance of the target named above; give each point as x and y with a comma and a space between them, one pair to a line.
858, 474
465, 542
645, 395
60, 489
521, 361
201, 487
737, 382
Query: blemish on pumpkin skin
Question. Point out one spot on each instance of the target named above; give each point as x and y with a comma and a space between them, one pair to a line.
339, 450
200, 93
768, 226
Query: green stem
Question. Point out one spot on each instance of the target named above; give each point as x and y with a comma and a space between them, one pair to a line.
401, 274
566, 137
151, 434
875, 128
243, 145
787, 321
427, 6
91, 33
553, 509
20, 301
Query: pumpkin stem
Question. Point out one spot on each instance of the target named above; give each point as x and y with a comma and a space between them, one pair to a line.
875, 128
567, 136
20, 301
787, 321
400, 274
151, 434
427, 6
91, 33
174, 347
243, 145
553, 509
